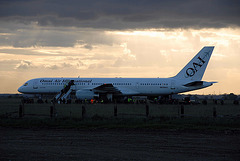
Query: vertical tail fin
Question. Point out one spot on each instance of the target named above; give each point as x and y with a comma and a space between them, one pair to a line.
195, 69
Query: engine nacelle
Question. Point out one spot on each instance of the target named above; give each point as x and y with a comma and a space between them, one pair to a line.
86, 94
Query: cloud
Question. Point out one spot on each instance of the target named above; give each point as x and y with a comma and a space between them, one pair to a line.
8, 64
124, 14
127, 51
22, 36
60, 66
30, 66
25, 65
88, 46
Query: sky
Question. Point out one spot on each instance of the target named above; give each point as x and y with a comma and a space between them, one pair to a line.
118, 38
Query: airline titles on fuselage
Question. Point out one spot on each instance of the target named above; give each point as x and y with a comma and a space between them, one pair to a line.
64, 81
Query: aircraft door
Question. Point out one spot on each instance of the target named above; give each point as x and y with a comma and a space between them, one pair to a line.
35, 84
74, 87
173, 85
137, 84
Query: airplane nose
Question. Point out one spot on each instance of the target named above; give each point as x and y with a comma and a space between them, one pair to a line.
20, 89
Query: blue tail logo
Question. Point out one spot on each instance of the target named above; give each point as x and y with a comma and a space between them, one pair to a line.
197, 65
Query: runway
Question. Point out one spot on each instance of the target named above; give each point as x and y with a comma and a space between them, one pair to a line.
118, 144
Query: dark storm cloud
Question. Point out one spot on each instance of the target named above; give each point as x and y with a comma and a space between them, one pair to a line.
20, 35
124, 14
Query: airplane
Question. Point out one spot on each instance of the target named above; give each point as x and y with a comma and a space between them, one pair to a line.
188, 79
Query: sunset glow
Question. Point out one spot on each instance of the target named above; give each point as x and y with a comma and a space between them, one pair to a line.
117, 46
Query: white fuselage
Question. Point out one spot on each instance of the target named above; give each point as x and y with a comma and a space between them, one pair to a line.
127, 86
188, 79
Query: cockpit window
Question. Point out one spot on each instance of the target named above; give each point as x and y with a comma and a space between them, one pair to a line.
25, 84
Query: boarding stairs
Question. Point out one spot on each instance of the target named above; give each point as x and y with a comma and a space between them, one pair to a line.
64, 93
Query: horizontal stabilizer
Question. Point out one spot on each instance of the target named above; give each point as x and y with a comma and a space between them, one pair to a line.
198, 84
193, 84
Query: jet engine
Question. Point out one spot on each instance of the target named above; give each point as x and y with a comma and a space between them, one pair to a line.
86, 94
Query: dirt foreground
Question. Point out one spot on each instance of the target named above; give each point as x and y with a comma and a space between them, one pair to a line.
118, 144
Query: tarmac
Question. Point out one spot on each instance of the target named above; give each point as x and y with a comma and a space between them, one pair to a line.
118, 144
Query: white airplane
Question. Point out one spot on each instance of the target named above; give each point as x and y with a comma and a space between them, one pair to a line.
188, 79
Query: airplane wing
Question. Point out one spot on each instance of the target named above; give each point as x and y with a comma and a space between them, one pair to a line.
106, 88
109, 88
